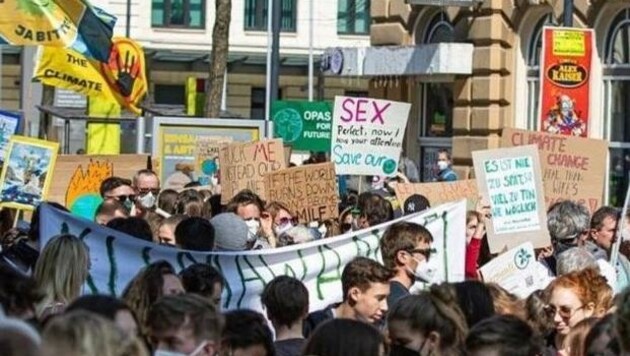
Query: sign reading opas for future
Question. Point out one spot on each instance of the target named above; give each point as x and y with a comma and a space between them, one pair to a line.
244, 165
305, 125
573, 168
367, 135
510, 179
310, 191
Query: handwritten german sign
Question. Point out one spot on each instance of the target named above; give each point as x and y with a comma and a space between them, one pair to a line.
309, 191
244, 165
207, 158
572, 168
510, 179
367, 135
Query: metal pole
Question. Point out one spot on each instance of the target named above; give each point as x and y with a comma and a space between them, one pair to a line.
275, 53
140, 134
128, 28
224, 96
568, 13
310, 50
269, 41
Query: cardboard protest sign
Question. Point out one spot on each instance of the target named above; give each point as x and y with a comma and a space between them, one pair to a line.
439, 192
305, 125
517, 271
78, 179
207, 158
565, 76
244, 165
116, 258
27, 172
510, 179
367, 135
310, 191
573, 168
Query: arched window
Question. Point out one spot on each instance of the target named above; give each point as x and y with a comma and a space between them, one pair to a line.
617, 105
436, 98
534, 51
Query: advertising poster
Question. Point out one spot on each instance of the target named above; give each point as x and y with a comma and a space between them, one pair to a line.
175, 142
510, 179
565, 76
573, 168
27, 172
9, 124
305, 125
367, 135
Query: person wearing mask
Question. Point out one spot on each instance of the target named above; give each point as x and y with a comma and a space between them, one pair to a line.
146, 185
603, 234
184, 325
430, 323
249, 207
444, 163
286, 302
119, 189
365, 288
406, 249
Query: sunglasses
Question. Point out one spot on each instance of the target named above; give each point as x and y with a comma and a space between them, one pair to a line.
426, 252
284, 221
564, 311
144, 191
123, 198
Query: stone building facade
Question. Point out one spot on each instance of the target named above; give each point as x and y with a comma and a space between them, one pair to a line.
467, 112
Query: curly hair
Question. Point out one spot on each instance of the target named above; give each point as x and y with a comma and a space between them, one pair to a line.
587, 285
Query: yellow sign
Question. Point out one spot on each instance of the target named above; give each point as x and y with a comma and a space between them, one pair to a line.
569, 43
121, 80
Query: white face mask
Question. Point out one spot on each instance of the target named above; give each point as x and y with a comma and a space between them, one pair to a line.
423, 272
147, 201
281, 229
175, 353
442, 165
252, 226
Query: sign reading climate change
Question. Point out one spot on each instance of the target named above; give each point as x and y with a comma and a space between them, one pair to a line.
304, 125
367, 135
116, 257
510, 179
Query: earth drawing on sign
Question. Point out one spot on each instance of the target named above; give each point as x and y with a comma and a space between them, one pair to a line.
289, 124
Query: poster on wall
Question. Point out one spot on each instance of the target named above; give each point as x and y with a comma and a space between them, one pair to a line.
510, 179
305, 125
175, 141
567, 55
9, 123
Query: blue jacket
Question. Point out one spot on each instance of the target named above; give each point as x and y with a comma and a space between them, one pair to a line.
447, 175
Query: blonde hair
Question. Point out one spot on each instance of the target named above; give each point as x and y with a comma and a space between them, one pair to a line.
81, 333
274, 207
506, 303
61, 270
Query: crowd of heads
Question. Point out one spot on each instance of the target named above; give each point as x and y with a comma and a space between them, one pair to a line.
395, 306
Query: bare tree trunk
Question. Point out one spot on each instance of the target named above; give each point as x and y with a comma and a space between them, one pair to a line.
218, 58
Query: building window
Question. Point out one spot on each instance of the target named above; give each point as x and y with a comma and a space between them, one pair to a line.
256, 15
169, 94
617, 105
258, 106
357, 93
178, 13
439, 30
353, 17
533, 72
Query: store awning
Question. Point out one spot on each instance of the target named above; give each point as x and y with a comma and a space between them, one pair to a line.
443, 59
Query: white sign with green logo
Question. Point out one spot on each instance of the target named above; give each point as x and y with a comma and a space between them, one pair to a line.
367, 135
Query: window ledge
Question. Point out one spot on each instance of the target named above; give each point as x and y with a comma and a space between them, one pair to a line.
264, 33
178, 30
351, 36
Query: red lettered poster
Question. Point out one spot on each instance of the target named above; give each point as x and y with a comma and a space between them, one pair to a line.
565, 77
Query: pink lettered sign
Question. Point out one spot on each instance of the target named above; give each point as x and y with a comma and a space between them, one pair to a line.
367, 135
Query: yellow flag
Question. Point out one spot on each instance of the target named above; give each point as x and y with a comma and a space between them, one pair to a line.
121, 79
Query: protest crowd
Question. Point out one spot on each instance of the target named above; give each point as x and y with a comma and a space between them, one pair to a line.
395, 306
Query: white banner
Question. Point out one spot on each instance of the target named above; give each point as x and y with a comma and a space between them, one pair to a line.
117, 257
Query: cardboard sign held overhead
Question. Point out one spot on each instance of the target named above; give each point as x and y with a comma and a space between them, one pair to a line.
573, 168
207, 157
244, 165
309, 191
510, 179
439, 192
367, 135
